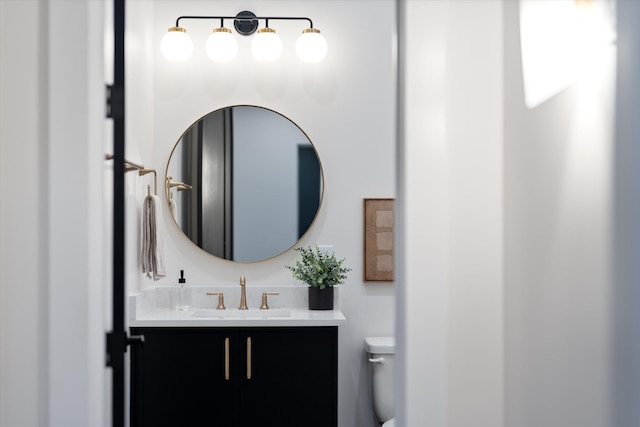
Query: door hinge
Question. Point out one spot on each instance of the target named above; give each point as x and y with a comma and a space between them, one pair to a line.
115, 102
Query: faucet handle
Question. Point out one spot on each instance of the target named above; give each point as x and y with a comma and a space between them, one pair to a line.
265, 305
220, 299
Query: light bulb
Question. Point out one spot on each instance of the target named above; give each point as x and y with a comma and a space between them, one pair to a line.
311, 46
266, 46
221, 45
176, 45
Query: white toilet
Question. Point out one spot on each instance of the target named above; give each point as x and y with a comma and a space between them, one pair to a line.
382, 354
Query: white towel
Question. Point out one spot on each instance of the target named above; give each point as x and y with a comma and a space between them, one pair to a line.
152, 245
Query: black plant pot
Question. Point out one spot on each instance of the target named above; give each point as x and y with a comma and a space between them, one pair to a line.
321, 299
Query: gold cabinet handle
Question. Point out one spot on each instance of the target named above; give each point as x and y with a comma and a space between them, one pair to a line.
226, 359
248, 358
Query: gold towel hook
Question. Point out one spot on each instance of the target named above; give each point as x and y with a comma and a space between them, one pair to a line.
129, 166
145, 171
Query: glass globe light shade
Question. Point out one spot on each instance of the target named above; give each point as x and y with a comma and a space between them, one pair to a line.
266, 46
221, 45
311, 46
176, 45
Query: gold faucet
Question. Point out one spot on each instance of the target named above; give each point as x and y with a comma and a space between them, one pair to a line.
265, 303
220, 299
243, 294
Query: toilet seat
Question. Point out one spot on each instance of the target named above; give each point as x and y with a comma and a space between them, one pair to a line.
390, 423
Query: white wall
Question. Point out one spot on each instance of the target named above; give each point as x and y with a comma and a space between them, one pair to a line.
422, 219
346, 106
516, 321
24, 222
52, 357
558, 189
140, 147
452, 148
474, 120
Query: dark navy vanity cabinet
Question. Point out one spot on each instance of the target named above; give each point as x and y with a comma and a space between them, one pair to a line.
235, 377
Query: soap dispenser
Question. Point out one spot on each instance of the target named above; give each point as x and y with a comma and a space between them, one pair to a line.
182, 294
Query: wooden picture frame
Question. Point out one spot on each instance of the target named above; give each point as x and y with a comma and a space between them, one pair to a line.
379, 218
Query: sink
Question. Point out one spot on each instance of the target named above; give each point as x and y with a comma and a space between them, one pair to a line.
252, 312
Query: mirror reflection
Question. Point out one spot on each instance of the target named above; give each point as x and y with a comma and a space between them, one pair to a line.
244, 183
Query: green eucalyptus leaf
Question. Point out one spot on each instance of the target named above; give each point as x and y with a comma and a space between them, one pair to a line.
317, 268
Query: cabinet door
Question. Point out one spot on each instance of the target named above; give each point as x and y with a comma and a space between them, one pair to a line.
183, 377
288, 377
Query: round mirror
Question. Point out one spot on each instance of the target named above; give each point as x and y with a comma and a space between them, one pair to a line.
244, 183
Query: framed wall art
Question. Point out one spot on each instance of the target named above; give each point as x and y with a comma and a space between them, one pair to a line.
379, 240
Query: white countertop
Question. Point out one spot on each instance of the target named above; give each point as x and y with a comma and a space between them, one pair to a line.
152, 308
252, 318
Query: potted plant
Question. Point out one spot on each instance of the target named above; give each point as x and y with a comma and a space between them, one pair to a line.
321, 271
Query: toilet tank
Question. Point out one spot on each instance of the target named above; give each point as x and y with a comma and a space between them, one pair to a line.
382, 352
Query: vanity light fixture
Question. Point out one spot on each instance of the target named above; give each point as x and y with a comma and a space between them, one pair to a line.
266, 46
221, 46
176, 45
